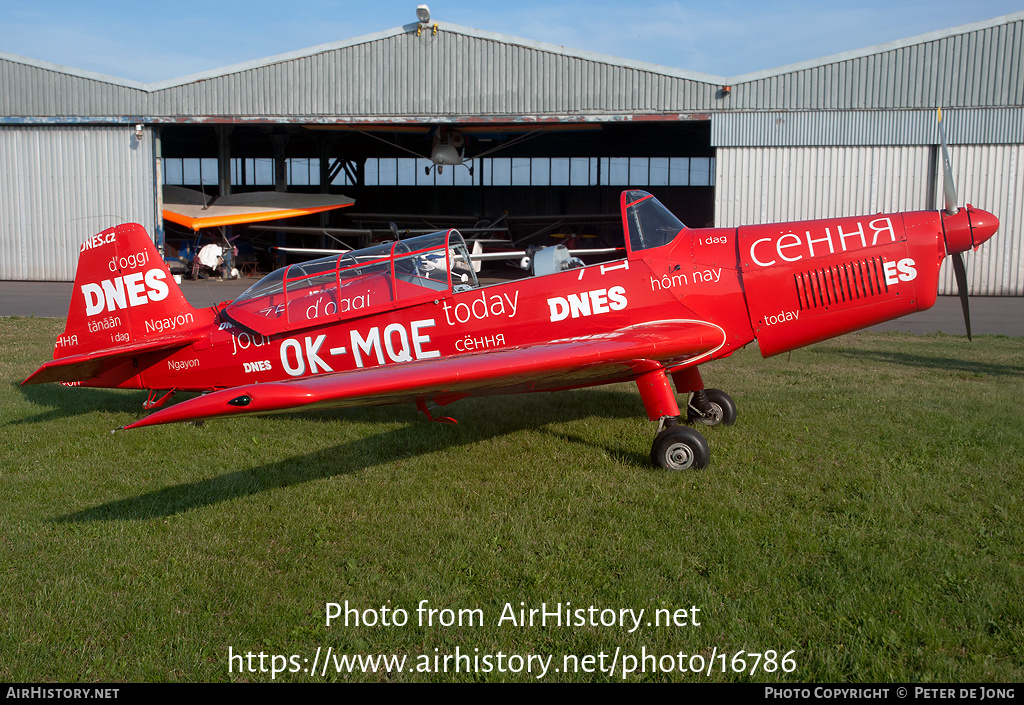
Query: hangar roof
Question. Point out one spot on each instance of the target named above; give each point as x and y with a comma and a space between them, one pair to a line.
459, 74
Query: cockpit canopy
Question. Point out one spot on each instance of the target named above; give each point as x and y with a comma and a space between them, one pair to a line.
648, 224
350, 284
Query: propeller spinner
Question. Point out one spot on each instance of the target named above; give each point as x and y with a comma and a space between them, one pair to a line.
963, 228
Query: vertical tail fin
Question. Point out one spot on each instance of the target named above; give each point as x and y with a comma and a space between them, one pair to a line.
124, 295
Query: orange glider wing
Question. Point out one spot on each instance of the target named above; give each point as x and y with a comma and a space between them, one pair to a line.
195, 210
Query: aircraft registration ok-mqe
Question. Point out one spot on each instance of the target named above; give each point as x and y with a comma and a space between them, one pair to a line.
407, 321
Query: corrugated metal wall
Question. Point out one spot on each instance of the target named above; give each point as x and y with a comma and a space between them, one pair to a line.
461, 71
977, 67
866, 127
61, 184
992, 177
32, 89
763, 185
397, 74
810, 140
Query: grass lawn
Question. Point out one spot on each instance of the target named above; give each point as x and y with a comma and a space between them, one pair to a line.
861, 522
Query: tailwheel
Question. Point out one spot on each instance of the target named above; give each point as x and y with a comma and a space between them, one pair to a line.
711, 407
680, 448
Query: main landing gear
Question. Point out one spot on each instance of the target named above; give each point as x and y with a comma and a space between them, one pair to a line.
711, 407
678, 447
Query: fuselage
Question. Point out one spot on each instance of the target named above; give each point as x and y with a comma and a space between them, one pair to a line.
785, 285
521, 313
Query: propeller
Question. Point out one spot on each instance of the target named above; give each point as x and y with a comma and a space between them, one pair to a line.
950, 199
960, 271
948, 188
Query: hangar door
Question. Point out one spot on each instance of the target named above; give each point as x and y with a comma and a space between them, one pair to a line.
60, 184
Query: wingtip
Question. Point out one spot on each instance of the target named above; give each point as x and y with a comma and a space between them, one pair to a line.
31, 379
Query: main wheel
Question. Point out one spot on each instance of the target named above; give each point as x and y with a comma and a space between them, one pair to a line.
680, 448
723, 410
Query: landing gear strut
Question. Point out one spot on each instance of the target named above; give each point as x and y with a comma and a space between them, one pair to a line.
678, 447
675, 447
154, 401
711, 407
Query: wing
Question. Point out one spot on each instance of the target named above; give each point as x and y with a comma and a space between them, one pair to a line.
565, 364
194, 210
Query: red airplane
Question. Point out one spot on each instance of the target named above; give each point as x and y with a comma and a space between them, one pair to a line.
407, 321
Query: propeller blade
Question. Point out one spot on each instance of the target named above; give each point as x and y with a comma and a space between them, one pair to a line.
948, 188
960, 270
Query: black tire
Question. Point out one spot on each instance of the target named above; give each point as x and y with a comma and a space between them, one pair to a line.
725, 410
680, 448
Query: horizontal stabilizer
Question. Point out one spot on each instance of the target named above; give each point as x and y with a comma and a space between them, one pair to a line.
77, 368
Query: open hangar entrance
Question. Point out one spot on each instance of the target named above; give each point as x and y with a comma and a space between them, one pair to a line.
534, 183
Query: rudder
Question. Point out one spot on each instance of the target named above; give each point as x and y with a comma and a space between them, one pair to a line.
124, 295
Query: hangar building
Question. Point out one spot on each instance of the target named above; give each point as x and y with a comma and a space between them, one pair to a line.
552, 135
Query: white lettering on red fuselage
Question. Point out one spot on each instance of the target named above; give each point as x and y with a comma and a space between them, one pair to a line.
480, 342
790, 247
781, 317
182, 365
257, 366
159, 325
902, 271
98, 241
135, 261
124, 292
587, 303
243, 340
104, 324
396, 343
481, 308
269, 311
330, 308
674, 281
400, 345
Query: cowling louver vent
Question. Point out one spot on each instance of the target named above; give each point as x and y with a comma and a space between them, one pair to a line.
839, 284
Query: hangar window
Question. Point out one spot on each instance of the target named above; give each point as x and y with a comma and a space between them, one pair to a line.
657, 171
581, 170
406, 172
190, 172
257, 172
247, 171
497, 171
493, 171
615, 171
701, 172
544, 171
413, 172
304, 172
540, 171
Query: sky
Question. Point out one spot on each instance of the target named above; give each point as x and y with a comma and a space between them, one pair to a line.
149, 42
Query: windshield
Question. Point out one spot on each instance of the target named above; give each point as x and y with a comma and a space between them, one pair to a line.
351, 284
648, 223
